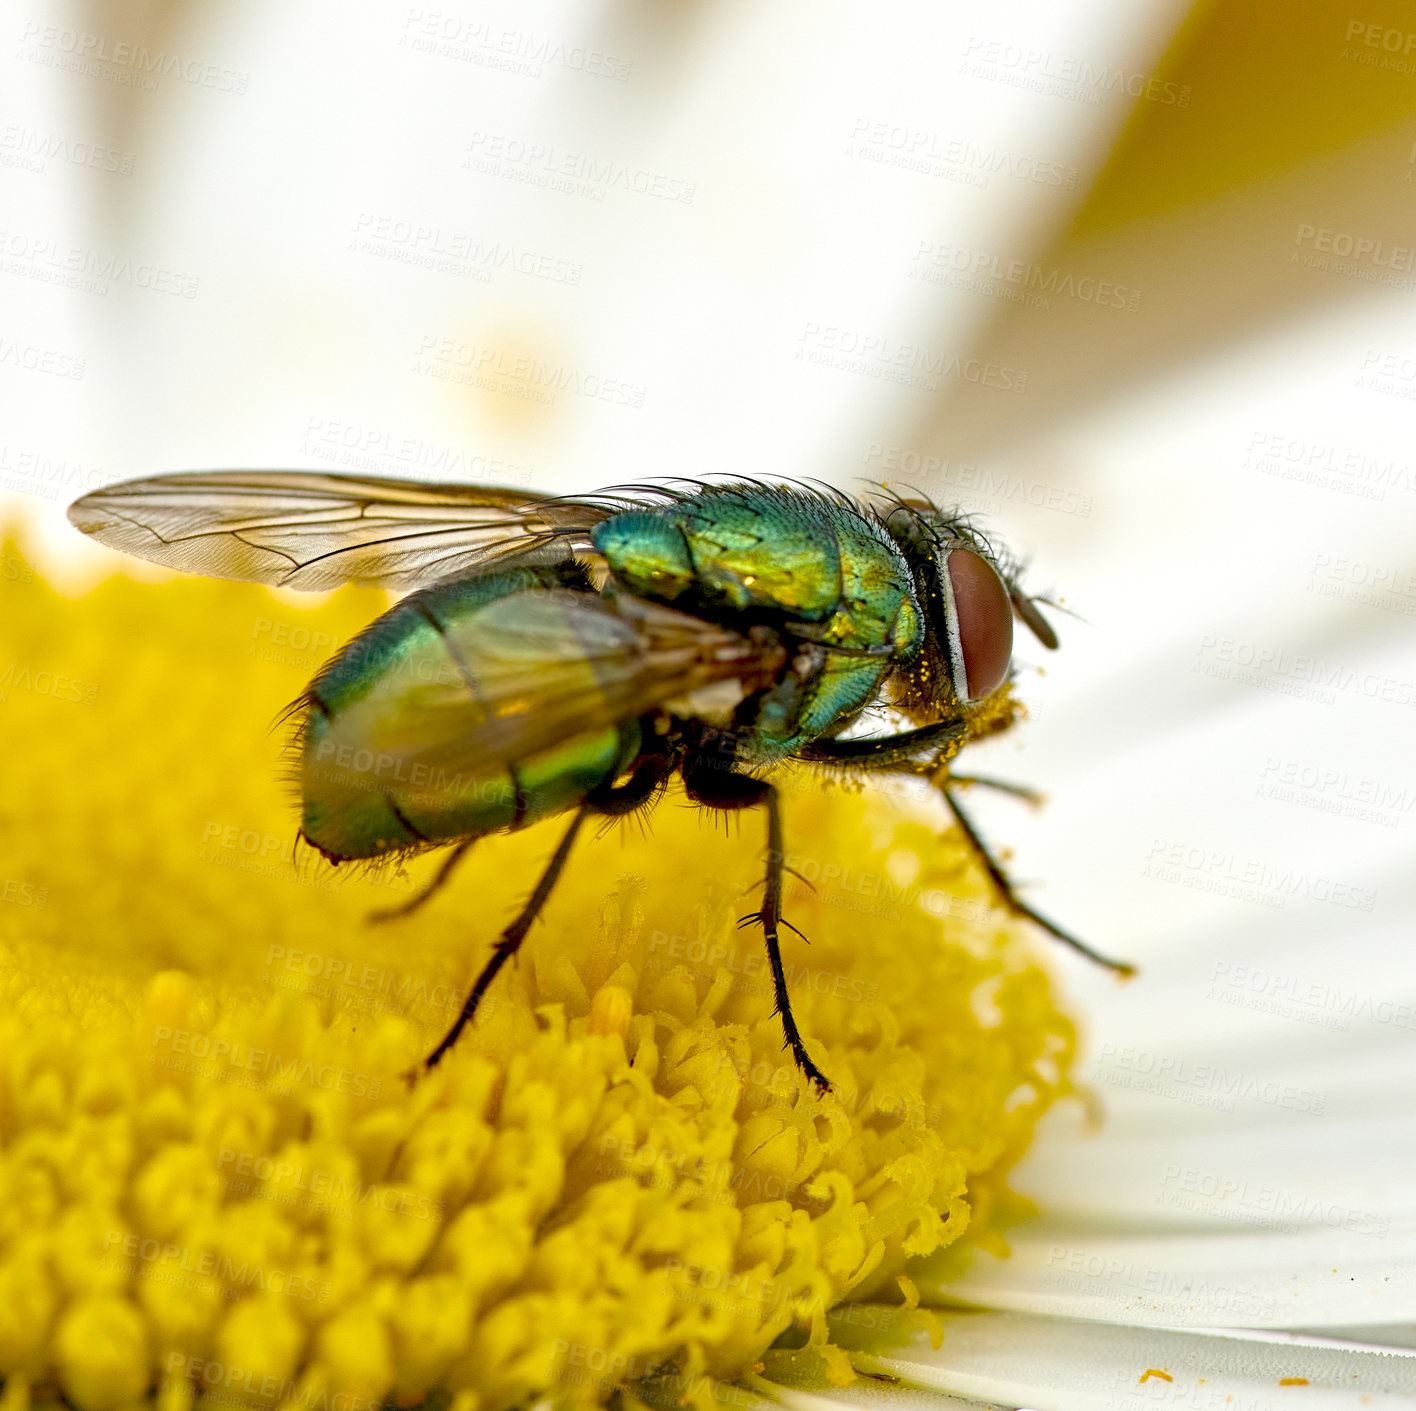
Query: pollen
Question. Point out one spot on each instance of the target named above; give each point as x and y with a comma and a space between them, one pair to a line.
218, 1178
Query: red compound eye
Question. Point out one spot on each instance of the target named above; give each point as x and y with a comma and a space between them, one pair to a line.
980, 621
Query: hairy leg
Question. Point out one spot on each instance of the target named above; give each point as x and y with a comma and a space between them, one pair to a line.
430, 889
510, 939
644, 781
900, 754
897, 751
1003, 786
1004, 889
730, 791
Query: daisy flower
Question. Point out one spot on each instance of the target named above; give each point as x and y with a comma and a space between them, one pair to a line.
1134, 283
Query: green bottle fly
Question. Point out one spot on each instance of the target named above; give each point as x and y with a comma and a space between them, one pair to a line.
571, 656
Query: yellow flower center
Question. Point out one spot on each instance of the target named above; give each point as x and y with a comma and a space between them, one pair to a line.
214, 1177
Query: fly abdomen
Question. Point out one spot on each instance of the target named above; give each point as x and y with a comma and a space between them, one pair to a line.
427, 728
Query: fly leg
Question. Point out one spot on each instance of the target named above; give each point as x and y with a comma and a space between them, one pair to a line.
644, 781
900, 751
901, 754
649, 775
1006, 894
510, 940
1029, 796
734, 791
435, 884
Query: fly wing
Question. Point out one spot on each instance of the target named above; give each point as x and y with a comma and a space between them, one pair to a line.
305, 529
538, 668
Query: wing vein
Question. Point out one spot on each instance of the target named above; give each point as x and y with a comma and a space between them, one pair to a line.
312, 530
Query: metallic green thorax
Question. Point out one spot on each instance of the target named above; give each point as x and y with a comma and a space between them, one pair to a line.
376, 775
792, 561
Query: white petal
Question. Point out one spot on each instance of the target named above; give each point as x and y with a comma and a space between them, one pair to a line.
1304, 1225
882, 1396
1245, 1280
1053, 1364
1212, 823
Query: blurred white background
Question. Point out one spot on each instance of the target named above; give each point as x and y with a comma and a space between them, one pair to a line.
1134, 283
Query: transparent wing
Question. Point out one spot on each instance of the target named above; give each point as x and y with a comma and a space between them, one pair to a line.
305, 529
533, 669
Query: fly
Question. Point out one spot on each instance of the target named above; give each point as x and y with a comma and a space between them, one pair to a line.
572, 655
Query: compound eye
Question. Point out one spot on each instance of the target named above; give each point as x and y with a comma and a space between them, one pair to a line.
980, 621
